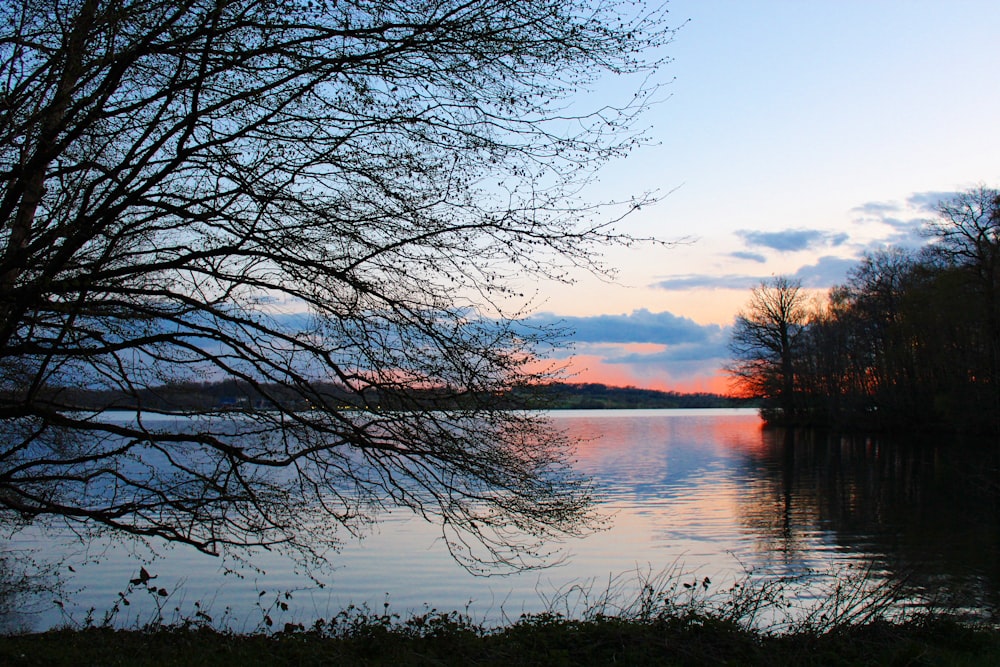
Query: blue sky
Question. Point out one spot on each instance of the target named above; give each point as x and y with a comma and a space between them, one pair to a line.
794, 135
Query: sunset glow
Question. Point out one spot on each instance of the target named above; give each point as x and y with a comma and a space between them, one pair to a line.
592, 368
793, 138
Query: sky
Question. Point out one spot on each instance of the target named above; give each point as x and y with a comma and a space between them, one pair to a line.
794, 135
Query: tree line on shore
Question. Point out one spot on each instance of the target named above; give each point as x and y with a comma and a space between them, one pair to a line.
238, 395
911, 340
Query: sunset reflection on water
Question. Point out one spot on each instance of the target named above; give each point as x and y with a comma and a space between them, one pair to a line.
708, 492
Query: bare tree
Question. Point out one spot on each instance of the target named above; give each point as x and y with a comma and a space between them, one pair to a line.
764, 344
177, 176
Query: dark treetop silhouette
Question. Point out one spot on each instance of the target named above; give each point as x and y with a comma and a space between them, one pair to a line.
910, 342
173, 174
764, 344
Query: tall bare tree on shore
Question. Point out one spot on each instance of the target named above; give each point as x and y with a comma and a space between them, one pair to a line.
173, 174
764, 343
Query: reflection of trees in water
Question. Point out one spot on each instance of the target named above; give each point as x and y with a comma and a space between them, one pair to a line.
923, 508
781, 525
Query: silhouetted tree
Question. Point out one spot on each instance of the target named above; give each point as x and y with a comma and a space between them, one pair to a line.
176, 178
823, 380
910, 340
882, 357
966, 240
766, 345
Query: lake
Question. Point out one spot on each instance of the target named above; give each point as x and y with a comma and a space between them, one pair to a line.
705, 493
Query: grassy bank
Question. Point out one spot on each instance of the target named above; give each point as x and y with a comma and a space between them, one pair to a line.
853, 618
534, 641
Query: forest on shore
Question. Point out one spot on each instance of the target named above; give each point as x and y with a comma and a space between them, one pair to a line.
911, 341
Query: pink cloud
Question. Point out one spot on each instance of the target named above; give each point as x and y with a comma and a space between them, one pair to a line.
592, 368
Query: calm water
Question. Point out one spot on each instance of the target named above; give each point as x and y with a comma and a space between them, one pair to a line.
708, 492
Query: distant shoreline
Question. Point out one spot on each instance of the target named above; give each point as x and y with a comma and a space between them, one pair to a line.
195, 397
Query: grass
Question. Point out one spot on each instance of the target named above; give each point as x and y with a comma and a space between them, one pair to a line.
531, 641
674, 619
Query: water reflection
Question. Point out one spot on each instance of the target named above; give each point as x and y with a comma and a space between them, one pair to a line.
710, 489
923, 508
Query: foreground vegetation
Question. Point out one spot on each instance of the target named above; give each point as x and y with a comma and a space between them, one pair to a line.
855, 618
535, 641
